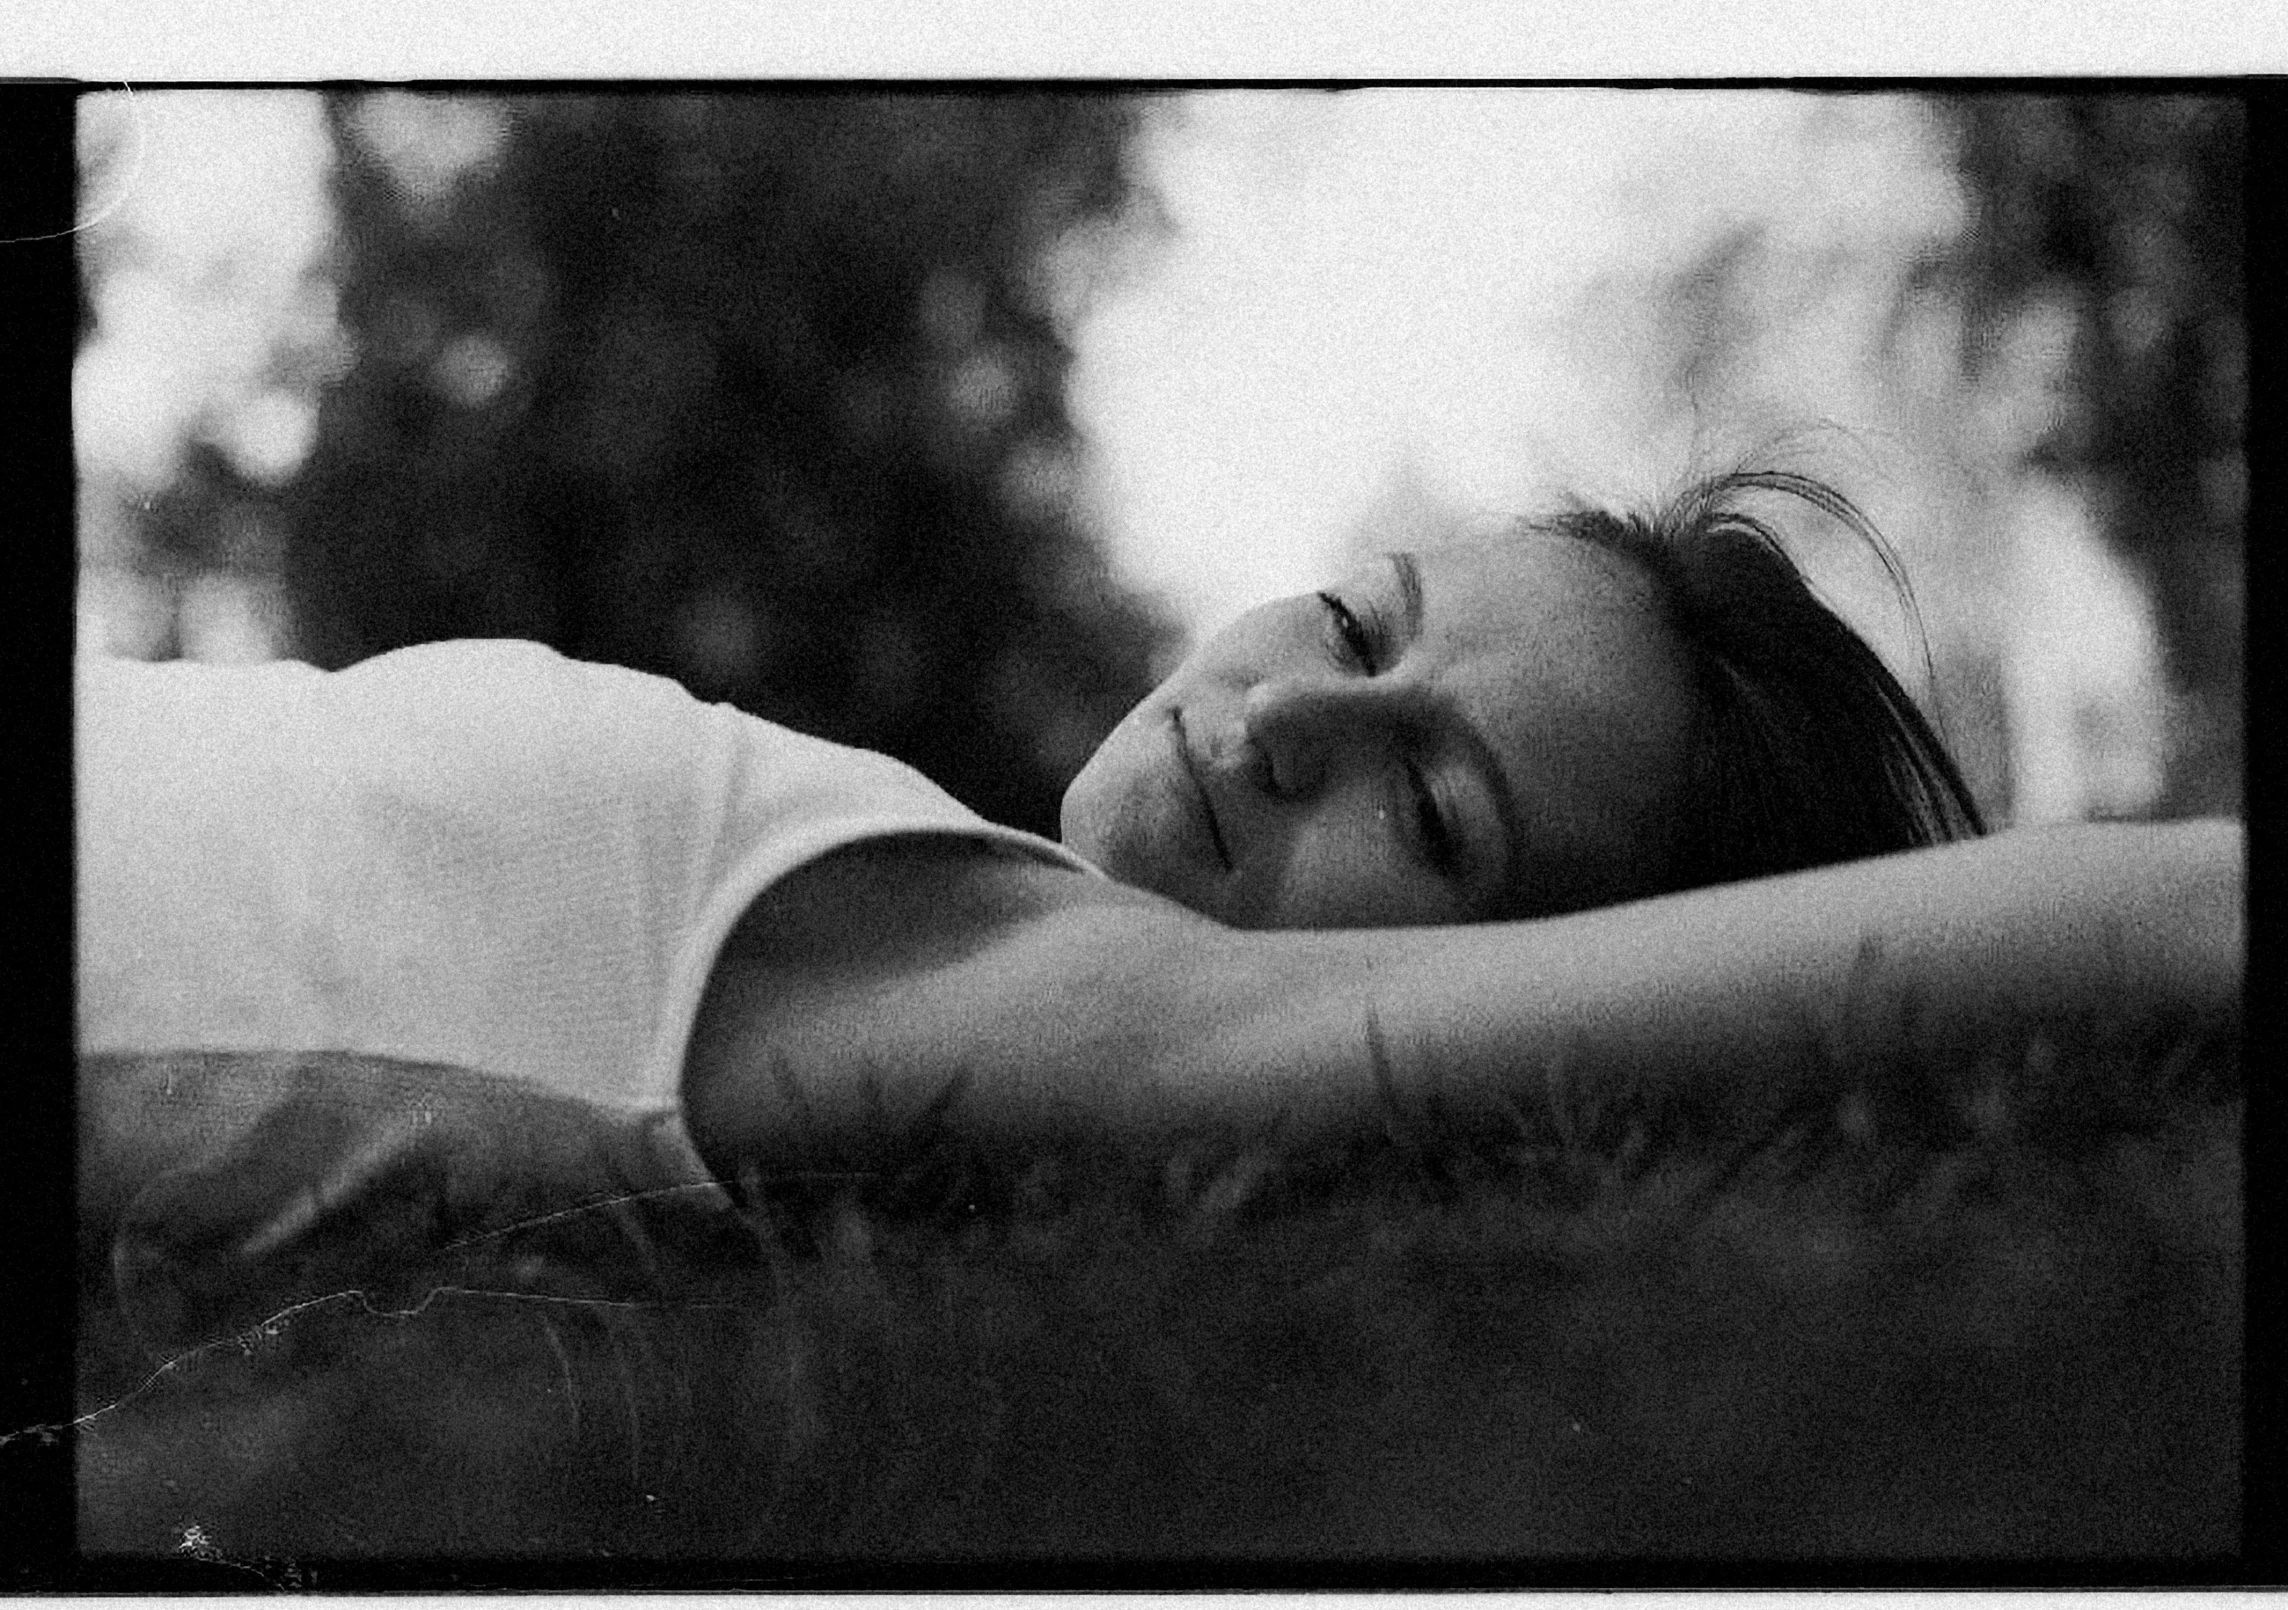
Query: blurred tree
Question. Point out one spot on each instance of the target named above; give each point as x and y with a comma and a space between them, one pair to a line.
759, 391
2126, 210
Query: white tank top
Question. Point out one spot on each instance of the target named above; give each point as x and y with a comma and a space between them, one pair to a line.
475, 853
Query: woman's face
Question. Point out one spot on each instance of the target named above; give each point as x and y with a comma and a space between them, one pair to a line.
1493, 730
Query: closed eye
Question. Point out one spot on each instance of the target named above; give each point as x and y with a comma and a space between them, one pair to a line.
1354, 643
1439, 846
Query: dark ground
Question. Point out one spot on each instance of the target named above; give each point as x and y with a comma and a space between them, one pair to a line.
1990, 1315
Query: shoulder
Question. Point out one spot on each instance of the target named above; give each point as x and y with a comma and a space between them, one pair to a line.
523, 713
895, 964
431, 677
466, 671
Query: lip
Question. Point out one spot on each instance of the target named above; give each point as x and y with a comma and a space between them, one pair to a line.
1200, 793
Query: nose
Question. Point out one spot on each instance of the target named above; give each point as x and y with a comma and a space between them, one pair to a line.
1305, 726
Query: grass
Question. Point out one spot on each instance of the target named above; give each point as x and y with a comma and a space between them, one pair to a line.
1985, 1309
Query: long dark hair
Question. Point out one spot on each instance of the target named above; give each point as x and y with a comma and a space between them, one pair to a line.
1804, 748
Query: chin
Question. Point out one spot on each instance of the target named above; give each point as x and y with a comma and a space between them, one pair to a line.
1122, 846
1069, 818
1081, 813
1100, 800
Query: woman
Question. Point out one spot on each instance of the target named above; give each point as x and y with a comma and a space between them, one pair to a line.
1413, 842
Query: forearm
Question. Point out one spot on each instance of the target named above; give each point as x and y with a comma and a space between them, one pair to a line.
1738, 996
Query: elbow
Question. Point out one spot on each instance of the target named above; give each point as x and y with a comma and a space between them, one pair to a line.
2216, 885
2178, 899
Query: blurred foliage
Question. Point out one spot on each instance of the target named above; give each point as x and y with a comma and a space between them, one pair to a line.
2092, 309
762, 392
2127, 211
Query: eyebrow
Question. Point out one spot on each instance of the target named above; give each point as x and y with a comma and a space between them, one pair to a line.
1408, 570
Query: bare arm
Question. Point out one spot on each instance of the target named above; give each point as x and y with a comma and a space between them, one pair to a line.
915, 984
